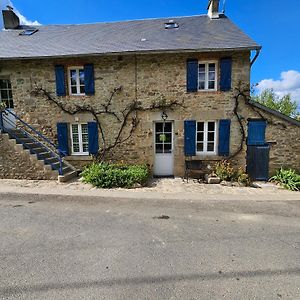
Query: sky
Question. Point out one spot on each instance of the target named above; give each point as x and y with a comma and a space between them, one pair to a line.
273, 24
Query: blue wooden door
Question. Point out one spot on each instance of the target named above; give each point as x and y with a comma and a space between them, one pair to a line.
258, 162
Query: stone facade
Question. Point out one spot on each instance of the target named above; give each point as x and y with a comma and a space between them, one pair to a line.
17, 163
147, 78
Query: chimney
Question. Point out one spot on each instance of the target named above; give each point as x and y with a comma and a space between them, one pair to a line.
10, 19
213, 9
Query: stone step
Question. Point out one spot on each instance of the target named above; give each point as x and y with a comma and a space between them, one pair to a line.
42, 153
45, 155
68, 176
51, 160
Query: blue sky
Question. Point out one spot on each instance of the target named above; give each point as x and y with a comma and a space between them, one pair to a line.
273, 24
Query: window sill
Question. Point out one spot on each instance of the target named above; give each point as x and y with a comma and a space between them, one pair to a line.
213, 157
75, 157
208, 92
77, 95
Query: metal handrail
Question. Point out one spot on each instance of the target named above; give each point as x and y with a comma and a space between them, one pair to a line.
55, 151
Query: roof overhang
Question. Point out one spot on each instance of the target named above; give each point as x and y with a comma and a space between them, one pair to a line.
144, 52
274, 112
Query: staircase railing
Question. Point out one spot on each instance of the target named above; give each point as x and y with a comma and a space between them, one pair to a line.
8, 126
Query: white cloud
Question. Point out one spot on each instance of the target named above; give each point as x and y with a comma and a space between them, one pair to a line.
289, 83
23, 19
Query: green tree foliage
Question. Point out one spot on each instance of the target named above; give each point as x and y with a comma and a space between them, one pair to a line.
284, 104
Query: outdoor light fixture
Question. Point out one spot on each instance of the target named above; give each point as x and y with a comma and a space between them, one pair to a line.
164, 116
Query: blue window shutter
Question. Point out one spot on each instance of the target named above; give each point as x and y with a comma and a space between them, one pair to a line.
256, 132
224, 137
60, 80
226, 72
89, 79
192, 75
190, 138
93, 138
62, 137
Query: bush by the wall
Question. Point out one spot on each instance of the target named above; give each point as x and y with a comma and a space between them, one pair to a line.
288, 178
104, 175
226, 172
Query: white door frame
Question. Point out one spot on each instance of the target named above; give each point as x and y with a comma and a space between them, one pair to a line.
163, 162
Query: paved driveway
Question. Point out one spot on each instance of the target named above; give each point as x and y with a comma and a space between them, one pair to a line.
59, 247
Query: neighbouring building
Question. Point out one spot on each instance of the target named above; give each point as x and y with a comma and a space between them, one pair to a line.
157, 91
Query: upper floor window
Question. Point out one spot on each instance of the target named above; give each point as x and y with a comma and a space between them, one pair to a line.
6, 93
207, 79
76, 80
206, 138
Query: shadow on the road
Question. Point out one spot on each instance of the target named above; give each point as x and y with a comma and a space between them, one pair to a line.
144, 280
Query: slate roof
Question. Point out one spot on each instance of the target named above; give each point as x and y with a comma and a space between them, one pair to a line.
195, 33
275, 113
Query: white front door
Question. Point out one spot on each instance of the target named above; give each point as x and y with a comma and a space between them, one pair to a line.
163, 149
9, 121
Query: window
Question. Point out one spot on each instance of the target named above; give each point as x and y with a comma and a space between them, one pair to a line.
6, 93
80, 140
207, 79
206, 138
76, 81
163, 137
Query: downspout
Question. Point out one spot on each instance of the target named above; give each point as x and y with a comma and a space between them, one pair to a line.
255, 57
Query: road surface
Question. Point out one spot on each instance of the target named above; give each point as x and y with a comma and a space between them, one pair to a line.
67, 247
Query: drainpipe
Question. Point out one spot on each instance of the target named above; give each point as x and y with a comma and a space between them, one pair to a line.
255, 57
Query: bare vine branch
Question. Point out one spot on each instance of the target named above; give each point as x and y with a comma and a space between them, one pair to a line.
130, 112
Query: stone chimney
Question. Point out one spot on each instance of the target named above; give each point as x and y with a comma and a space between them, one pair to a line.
10, 19
213, 9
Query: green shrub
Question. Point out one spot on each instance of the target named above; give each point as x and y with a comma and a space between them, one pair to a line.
225, 171
104, 175
242, 177
288, 178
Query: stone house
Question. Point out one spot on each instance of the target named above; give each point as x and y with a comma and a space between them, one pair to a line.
157, 91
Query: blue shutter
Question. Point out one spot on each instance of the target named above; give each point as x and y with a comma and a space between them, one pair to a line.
89, 80
190, 138
62, 137
226, 72
192, 75
224, 137
93, 138
256, 132
60, 80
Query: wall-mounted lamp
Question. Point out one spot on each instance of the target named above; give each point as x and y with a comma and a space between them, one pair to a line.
164, 116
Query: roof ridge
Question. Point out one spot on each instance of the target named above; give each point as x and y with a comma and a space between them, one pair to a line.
124, 21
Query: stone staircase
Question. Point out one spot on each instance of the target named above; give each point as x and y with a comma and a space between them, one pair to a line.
40, 151
44, 154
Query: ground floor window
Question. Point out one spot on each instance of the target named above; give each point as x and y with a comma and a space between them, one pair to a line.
206, 138
163, 137
79, 139
6, 93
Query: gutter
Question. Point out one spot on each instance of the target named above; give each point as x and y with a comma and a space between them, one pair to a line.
143, 52
255, 57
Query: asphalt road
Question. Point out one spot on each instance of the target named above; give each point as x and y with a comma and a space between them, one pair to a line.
54, 247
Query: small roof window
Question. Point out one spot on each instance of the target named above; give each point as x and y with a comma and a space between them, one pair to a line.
171, 24
28, 32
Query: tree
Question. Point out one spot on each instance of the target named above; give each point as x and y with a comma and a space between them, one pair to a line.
284, 104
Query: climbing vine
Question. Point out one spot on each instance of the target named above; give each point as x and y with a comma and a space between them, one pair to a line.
242, 93
125, 116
